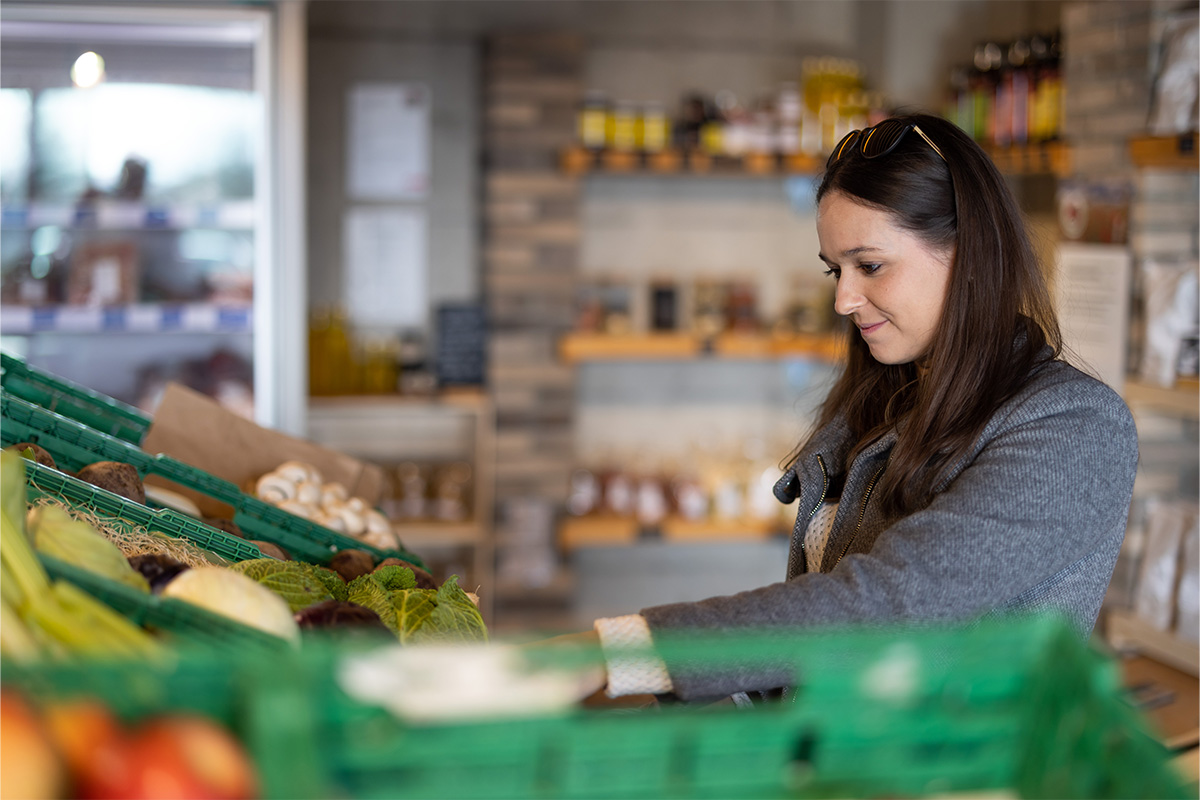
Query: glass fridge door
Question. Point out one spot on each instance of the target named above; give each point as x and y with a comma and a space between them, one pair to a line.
136, 198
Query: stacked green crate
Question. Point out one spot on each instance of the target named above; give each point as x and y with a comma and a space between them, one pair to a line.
1017, 706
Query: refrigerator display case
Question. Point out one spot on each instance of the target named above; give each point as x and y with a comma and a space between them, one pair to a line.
138, 201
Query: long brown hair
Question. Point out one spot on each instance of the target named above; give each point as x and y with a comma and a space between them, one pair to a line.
997, 324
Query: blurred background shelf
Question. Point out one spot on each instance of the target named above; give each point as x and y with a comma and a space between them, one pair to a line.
1183, 398
121, 215
1126, 630
137, 318
1043, 158
582, 347
580, 161
1165, 152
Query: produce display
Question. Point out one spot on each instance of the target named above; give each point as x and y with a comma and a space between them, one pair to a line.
268, 594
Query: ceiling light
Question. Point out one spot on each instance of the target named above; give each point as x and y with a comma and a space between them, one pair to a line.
88, 70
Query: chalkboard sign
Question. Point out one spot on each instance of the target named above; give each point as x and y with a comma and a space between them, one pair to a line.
461, 345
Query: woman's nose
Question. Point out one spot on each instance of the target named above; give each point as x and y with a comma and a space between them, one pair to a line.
846, 298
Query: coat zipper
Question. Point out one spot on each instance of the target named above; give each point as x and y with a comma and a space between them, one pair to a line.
813, 513
862, 511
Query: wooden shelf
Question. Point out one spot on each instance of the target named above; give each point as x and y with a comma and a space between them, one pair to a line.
582, 347
1045, 158
1166, 152
580, 161
599, 530
600, 346
606, 530
417, 535
1183, 398
675, 529
466, 398
1125, 630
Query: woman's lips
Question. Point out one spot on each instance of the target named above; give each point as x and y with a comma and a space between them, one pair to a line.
867, 330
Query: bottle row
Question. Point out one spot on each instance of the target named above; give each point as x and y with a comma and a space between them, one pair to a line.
738, 491
706, 307
806, 117
1012, 93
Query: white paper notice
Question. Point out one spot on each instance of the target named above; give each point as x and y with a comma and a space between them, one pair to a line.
1092, 292
384, 270
387, 156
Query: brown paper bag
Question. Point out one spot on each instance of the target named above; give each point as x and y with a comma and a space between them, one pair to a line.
196, 430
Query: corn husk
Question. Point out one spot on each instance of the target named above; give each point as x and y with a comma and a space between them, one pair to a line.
57, 534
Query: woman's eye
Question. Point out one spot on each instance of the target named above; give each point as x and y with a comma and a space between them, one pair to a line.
835, 272
870, 269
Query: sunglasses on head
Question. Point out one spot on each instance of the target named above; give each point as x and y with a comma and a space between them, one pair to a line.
878, 140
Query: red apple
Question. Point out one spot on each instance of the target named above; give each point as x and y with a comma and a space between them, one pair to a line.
29, 767
80, 728
190, 756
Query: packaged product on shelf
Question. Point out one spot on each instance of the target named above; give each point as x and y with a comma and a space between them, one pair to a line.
451, 490
790, 116
1187, 605
664, 306
1170, 309
593, 120
104, 273
622, 126
1176, 104
653, 133
1167, 523
583, 492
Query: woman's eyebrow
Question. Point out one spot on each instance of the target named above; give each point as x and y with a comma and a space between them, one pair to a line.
853, 251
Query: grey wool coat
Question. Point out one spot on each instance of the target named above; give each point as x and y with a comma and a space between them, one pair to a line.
1032, 520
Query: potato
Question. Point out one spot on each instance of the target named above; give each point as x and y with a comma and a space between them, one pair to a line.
351, 563
39, 453
117, 477
271, 550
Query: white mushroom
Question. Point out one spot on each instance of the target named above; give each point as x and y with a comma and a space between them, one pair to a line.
474, 598
333, 494
383, 539
298, 508
355, 523
300, 471
331, 521
275, 488
376, 521
309, 493
357, 505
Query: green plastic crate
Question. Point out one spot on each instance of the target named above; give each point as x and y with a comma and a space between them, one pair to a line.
182, 622
96, 410
75, 445
1017, 706
42, 481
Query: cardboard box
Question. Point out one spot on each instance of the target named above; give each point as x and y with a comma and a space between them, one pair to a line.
195, 429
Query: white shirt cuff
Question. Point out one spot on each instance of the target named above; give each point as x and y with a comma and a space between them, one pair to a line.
632, 666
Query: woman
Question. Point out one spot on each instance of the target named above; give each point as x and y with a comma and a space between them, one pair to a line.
959, 468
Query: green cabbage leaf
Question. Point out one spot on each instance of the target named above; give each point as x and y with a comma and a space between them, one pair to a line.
366, 591
414, 609
456, 618
288, 579
417, 615
329, 579
394, 577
